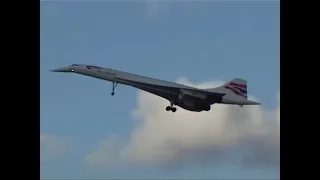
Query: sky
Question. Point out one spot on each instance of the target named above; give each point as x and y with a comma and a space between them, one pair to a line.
87, 133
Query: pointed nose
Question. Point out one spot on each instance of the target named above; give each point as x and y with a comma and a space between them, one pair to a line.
62, 69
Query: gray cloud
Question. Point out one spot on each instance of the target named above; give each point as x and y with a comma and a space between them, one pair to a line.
248, 137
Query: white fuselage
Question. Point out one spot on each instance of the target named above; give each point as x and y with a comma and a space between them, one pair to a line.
193, 96
132, 79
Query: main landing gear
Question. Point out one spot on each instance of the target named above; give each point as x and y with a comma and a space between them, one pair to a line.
114, 85
171, 108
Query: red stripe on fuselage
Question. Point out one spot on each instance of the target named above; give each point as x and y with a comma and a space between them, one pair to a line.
235, 91
239, 85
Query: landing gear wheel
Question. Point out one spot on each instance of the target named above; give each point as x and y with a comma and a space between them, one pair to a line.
169, 108
112, 94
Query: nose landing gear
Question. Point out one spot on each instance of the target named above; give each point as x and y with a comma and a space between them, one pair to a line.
114, 85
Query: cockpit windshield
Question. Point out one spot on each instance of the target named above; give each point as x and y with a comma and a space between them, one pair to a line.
75, 65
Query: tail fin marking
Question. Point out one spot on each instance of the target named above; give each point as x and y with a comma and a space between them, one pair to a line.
238, 87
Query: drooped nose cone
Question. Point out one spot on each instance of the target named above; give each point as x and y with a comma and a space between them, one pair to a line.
62, 69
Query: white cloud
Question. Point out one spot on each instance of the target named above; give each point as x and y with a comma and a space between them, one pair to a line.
248, 136
278, 110
106, 153
52, 146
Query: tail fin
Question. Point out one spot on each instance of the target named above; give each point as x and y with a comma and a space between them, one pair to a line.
237, 86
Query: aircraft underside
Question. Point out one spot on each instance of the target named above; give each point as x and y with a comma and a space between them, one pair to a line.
176, 97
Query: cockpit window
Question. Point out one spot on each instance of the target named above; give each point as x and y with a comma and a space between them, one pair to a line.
74, 65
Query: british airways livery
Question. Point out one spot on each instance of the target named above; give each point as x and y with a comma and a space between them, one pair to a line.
186, 97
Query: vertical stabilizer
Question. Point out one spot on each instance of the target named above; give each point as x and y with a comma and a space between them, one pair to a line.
238, 87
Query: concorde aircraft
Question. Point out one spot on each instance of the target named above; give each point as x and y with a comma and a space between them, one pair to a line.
186, 97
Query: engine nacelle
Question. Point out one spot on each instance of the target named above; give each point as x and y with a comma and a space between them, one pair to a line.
193, 102
193, 94
197, 107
